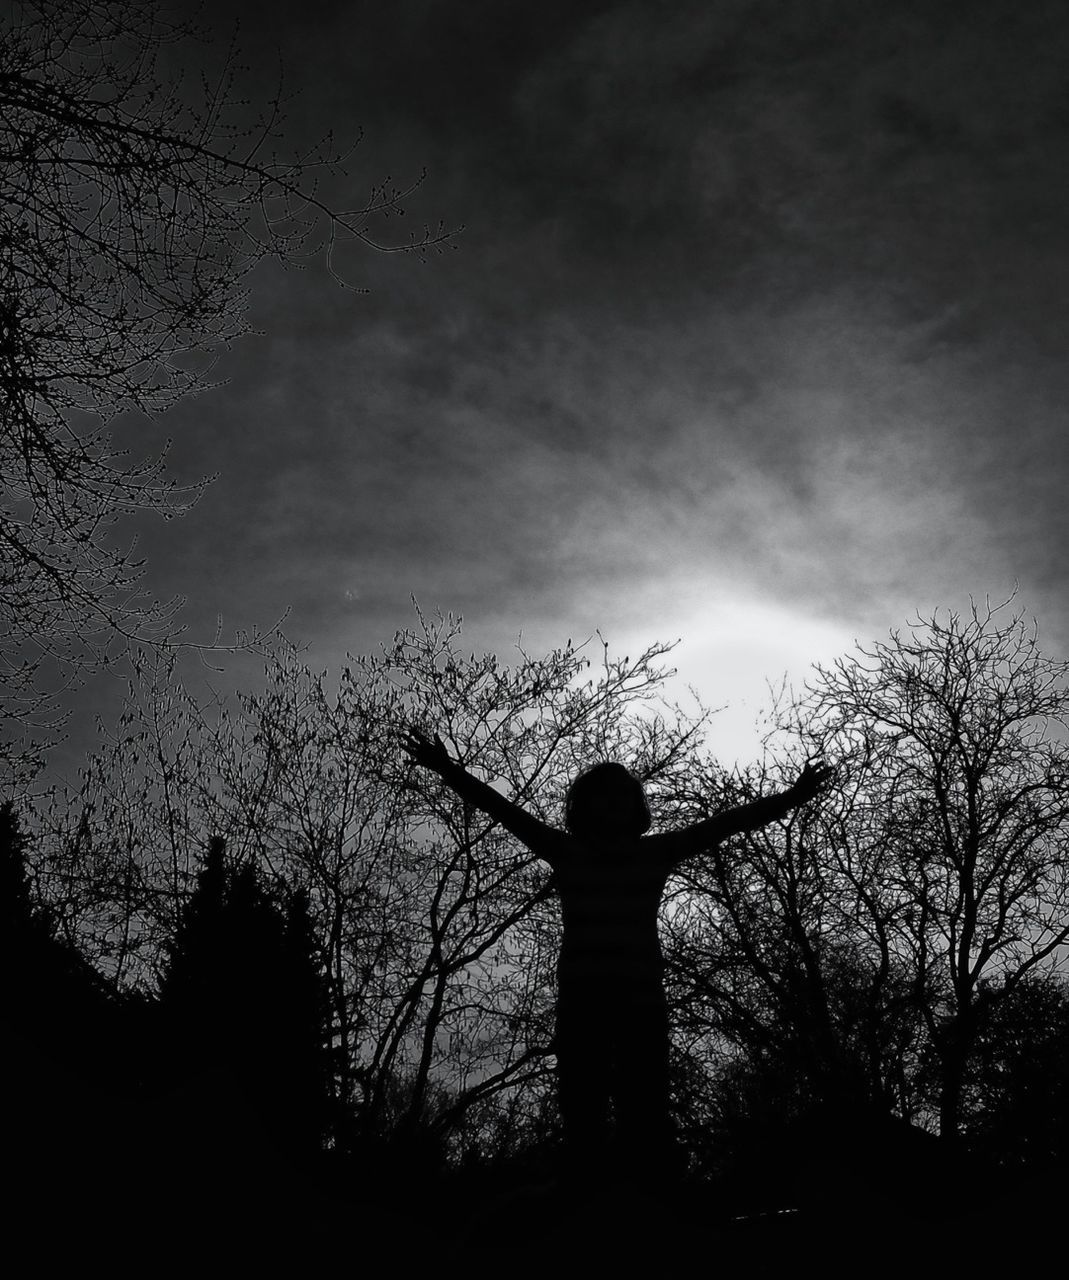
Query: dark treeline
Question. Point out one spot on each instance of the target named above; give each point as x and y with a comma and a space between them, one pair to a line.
215, 1088
257, 950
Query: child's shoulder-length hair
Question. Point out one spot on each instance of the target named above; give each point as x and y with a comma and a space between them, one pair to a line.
598, 778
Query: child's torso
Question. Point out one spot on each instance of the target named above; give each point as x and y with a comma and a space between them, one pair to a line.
609, 904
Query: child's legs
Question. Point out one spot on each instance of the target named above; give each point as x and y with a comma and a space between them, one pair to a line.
583, 1083
641, 1087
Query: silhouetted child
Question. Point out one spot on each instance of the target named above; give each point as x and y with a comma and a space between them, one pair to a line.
612, 1023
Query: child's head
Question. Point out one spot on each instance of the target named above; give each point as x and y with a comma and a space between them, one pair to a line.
607, 801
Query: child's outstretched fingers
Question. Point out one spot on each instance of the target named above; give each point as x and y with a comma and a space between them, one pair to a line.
416, 745
432, 755
812, 780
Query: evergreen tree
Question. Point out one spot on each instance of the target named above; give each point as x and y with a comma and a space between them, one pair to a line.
243, 1007
74, 1054
52, 996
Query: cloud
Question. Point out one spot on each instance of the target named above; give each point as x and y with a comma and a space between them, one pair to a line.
772, 291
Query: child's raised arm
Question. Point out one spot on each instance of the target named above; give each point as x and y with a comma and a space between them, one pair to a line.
535, 834
744, 817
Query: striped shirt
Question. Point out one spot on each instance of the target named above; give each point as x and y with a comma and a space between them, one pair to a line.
611, 893
610, 898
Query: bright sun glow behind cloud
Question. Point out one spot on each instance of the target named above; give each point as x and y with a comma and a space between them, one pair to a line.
734, 654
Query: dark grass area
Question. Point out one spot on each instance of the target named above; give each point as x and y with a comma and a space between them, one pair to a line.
170, 1187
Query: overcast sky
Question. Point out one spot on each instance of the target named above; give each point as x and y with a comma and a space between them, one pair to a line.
755, 334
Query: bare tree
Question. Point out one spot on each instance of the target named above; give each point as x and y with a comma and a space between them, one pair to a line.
953, 734
775, 959
132, 210
435, 927
843, 949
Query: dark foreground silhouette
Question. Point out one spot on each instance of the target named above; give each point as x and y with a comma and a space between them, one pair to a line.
100, 1162
116, 1146
612, 1037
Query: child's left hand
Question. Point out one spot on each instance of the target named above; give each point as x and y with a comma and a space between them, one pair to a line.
811, 781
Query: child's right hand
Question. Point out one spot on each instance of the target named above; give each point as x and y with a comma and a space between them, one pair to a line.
431, 755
